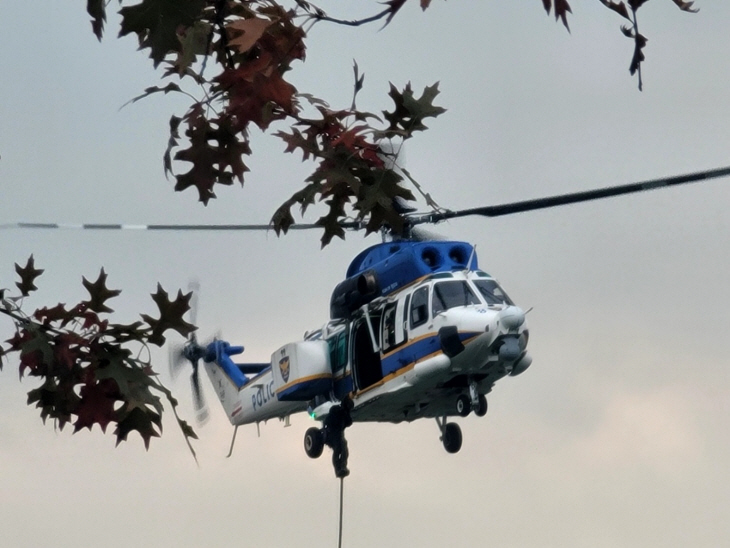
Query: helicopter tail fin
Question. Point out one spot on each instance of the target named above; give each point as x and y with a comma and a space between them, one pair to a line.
228, 377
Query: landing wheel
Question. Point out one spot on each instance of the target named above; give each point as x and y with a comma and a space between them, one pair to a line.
313, 442
463, 405
451, 437
482, 409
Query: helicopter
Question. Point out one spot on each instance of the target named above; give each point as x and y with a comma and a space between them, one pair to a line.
417, 329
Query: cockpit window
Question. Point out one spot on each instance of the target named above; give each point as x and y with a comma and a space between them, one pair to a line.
492, 293
450, 294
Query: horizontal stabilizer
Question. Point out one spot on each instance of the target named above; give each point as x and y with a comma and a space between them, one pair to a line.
252, 368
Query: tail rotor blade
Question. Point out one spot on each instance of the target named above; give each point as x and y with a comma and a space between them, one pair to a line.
194, 288
201, 409
191, 353
176, 360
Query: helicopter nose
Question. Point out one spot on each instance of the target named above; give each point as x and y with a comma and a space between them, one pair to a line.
512, 317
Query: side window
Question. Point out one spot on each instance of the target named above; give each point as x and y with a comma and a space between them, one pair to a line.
338, 351
419, 307
387, 340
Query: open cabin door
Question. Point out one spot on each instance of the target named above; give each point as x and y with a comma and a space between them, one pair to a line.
366, 365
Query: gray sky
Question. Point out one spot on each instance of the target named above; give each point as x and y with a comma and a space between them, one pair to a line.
619, 433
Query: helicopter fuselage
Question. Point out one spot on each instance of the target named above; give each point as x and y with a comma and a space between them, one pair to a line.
401, 357
417, 330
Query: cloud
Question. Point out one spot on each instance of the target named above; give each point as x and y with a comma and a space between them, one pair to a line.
653, 431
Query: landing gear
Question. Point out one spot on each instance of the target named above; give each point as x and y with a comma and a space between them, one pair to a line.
463, 405
482, 409
313, 442
450, 435
475, 401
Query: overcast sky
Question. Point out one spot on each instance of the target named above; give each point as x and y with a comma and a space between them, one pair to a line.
618, 435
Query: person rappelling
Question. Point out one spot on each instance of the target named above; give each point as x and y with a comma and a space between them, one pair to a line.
335, 423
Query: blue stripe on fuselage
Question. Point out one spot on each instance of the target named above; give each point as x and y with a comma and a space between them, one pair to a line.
343, 386
399, 358
416, 350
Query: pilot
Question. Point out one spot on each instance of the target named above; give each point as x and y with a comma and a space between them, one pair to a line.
335, 423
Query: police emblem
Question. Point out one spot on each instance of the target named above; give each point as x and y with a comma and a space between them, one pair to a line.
284, 368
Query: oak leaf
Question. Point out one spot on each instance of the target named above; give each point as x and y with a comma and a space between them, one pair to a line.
252, 93
686, 6
55, 400
561, 10
194, 41
204, 173
171, 315
393, 7
96, 405
58, 313
140, 421
27, 274
409, 111
157, 23
99, 293
97, 10
247, 32
636, 4
618, 7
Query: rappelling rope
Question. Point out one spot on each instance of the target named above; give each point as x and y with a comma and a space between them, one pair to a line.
342, 489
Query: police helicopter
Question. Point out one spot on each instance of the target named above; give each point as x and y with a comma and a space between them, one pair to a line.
417, 329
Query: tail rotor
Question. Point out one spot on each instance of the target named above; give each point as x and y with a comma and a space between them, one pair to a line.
191, 353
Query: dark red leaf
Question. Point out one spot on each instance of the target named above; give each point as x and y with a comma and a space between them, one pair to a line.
97, 10
96, 405
686, 6
143, 422
171, 315
618, 7
27, 274
99, 293
158, 22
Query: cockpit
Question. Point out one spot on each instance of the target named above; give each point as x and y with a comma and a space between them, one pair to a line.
452, 293
477, 289
491, 292
445, 291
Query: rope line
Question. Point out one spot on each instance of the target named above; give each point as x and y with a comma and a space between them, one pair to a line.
342, 489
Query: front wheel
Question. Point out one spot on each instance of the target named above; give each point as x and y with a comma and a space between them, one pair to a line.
463, 405
313, 442
482, 409
452, 437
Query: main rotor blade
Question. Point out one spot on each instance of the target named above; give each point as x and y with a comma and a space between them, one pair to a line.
173, 227
94, 226
573, 198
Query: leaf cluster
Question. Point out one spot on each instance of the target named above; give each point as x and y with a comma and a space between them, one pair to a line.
626, 9
354, 173
88, 370
250, 46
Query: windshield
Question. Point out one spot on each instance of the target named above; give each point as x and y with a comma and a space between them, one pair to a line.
450, 294
491, 292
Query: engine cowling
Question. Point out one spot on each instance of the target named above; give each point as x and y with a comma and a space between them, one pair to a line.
354, 292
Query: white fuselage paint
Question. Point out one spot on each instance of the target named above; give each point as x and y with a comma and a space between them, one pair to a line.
416, 387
